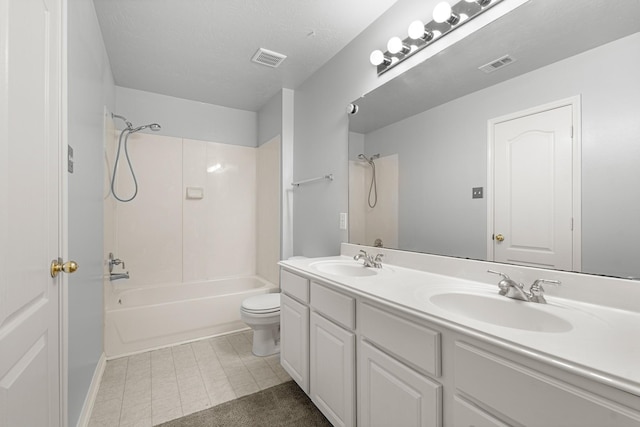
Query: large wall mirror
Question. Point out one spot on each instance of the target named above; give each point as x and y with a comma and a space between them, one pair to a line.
429, 135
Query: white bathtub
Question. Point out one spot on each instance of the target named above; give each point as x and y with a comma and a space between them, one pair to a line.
157, 316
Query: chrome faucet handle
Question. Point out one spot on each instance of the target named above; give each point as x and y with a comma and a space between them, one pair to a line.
377, 261
114, 261
537, 291
362, 254
506, 283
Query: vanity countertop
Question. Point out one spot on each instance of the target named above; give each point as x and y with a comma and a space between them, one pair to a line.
601, 343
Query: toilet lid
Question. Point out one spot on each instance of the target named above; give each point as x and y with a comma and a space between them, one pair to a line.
262, 303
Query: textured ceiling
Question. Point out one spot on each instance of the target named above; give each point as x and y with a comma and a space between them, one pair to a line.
202, 49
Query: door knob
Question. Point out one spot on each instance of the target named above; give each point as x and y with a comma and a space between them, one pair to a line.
57, 266
499, 237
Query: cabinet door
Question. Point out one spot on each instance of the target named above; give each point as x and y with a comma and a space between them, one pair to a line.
392, 394
333, 371
294, 340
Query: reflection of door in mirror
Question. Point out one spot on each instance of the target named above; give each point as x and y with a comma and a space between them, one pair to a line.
369, 222
533, 187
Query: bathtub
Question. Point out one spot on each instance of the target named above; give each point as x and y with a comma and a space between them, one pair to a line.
151, 317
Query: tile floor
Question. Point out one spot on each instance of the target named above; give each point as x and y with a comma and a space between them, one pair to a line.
157, 386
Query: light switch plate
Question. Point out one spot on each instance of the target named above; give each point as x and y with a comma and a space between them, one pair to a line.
343, 220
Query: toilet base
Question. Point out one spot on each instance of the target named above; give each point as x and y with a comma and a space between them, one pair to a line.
266, 341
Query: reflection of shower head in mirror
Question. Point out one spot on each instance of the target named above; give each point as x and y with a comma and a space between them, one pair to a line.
367, 159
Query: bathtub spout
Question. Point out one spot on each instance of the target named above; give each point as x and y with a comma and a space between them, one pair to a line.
118, 276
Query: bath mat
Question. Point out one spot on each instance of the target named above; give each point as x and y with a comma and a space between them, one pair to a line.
283, 405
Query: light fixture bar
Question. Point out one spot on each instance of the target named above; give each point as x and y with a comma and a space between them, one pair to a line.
457, 15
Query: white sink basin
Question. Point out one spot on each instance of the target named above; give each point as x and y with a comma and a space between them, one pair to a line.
344, 268
501, 311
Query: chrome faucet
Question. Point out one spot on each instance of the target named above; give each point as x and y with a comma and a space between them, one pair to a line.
118, 276
512, 289
369, 261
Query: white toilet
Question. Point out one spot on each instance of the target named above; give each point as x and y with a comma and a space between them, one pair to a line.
262, 314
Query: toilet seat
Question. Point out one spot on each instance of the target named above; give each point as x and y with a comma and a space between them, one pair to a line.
262, 304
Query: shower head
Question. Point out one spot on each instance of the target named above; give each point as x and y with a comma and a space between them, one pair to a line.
153, 126
367, 159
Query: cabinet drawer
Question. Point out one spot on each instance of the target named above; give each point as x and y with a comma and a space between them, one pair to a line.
415, 344
465, 414
530, 397
295, 286
334, 305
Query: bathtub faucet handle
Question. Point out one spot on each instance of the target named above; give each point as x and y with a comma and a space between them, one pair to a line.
114, 261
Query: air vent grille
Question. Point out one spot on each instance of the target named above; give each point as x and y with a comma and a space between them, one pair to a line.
497, 63
268, 58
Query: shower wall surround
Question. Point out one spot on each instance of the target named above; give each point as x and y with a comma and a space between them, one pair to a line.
166, 236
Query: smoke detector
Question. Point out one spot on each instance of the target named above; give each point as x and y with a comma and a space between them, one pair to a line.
497, 63
268, 57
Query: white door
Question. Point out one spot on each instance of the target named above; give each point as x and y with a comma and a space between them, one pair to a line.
533, 189
30, 59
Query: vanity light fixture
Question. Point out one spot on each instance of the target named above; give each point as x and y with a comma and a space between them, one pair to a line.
445, 18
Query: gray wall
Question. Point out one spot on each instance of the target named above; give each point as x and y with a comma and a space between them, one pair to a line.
183, 118
90, 88
270, 119
321, 122
442, 154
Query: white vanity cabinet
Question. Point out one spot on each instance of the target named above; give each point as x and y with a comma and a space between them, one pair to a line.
332, 361
397, 362
414, 370
492, 389
294, 327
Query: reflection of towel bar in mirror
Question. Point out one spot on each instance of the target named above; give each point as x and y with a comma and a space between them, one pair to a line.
307, 181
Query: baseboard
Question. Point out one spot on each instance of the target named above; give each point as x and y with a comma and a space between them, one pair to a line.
90, 400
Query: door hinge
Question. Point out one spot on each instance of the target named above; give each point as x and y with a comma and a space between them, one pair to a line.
571, 131
571, 224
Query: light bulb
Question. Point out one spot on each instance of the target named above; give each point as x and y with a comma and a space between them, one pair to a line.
442, 13
416, 30
377, 58
394, 45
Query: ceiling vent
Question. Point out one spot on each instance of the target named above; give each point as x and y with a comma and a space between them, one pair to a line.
497, 63
268, 58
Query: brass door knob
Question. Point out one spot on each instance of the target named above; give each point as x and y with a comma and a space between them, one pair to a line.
499, 237
57, 266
